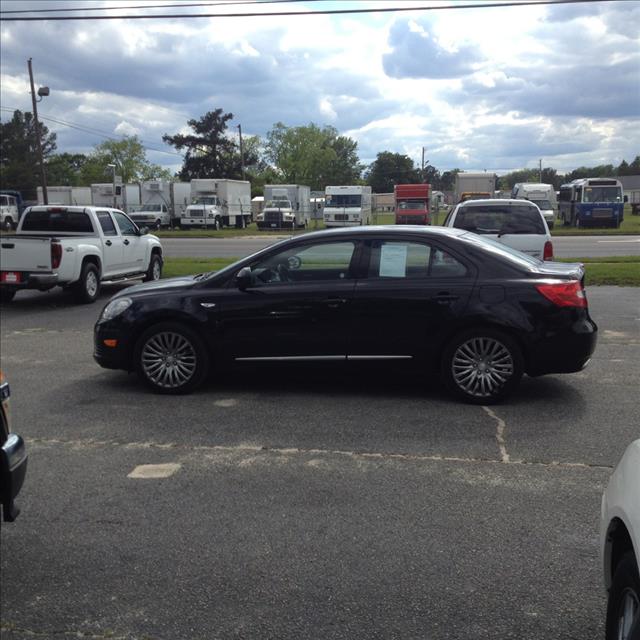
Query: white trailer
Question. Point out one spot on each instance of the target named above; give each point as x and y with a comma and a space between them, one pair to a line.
154, 211
70, 196
285, 206
474, 186
542, 195
347, 206
126, 195
218, 203
180, 199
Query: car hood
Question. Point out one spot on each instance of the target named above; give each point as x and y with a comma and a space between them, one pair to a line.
157, 286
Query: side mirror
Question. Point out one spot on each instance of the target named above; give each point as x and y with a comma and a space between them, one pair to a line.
143, 231
243, 278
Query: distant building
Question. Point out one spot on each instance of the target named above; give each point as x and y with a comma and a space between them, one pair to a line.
631, 188
382, 202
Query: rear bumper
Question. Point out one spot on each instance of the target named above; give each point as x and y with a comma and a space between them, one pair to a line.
565, 351
40, 281
13, 469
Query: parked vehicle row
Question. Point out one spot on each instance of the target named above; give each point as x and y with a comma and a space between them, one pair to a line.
76, 248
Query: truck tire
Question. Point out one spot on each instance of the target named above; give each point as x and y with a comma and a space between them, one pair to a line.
7, 223
7, 295
154, 272
157, 226
87, 289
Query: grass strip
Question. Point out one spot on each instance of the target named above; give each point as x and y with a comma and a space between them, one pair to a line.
622, 271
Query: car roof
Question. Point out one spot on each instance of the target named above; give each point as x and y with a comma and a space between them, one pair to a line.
495, 201
387, 230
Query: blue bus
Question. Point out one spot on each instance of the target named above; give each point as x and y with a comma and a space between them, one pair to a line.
591, 202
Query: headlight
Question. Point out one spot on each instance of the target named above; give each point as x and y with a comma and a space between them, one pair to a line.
115, 308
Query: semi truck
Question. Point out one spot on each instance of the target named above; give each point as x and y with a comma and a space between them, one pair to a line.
218, 203
542, 195
347, 206
412, 205
163, 203
285, 206
474, 186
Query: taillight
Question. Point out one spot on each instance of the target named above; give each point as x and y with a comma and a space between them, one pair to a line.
564, 294
547, 253
56, 254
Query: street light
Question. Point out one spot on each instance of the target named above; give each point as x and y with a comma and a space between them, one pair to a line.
113, 175
42, 92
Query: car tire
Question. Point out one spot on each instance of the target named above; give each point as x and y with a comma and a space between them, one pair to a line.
7, 224
7, 295
158, 225
87, 289
482, 366
154, 272
171, 358
623, 606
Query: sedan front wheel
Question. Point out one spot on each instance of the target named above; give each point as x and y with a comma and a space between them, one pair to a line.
482, 366
171, 358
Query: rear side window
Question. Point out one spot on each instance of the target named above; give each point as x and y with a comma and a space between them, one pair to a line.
493, 219
106, 222
57, 221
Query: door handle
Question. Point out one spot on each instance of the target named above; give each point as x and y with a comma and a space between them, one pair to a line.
334, 303
108, 243
126, 242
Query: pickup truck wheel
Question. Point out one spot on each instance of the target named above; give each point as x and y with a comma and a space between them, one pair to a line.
171, 358
88, 287
482, 366
154, 272
6, 295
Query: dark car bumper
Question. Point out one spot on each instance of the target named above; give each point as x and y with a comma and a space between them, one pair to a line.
13, 468
564, 351
107, 354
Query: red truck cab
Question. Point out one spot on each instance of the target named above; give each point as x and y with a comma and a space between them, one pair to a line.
412, 203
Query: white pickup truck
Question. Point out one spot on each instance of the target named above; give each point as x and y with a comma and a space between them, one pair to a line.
76, 248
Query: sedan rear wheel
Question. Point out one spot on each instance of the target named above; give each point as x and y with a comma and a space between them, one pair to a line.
171, 358
482, 366
623, 608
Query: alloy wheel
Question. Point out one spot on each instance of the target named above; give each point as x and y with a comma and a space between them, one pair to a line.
627, 612
168, 359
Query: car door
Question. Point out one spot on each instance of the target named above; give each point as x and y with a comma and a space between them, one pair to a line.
296, 308
414, 292
112, 252
134, 247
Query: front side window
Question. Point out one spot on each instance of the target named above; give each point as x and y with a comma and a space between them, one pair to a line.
313, 263
127, 228
412, 260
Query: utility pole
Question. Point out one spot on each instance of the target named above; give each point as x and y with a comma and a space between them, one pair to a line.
241, 151
41, 93
540, 172
422, 173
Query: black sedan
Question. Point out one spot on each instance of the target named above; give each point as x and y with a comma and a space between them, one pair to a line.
448, 300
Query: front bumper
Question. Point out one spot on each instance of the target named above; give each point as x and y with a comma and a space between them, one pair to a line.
13, 468
118, 357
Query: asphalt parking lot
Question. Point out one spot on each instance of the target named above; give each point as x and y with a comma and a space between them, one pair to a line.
307, 503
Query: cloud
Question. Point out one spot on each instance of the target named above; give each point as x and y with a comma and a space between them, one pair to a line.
415, 54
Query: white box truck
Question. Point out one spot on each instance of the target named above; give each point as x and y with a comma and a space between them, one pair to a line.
347, 206
285, 206
154, 211
218, 203
474, 186
70, 196
126, 195
542, 195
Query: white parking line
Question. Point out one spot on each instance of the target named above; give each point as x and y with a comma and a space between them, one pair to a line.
152, 471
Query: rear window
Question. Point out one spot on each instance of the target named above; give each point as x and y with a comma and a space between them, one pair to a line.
57, 221
500, 250
494, 219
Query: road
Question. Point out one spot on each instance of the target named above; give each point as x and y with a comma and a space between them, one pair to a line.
307, 503
564, 246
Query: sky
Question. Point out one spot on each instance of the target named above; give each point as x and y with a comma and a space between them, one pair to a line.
494, 89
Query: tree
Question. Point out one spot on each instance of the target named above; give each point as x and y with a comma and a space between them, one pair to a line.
209, 152
312, 155
19, 163
389, 169
130, 158
448, 180
65, 169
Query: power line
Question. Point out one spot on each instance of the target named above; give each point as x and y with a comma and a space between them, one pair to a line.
156, 6
490, 5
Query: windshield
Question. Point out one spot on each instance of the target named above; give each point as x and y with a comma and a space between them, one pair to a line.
279, 203
205, 200
343, 200
602, 194
500, 219
542, 204
412, 205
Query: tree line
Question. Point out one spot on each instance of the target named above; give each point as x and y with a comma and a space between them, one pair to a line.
312, 155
